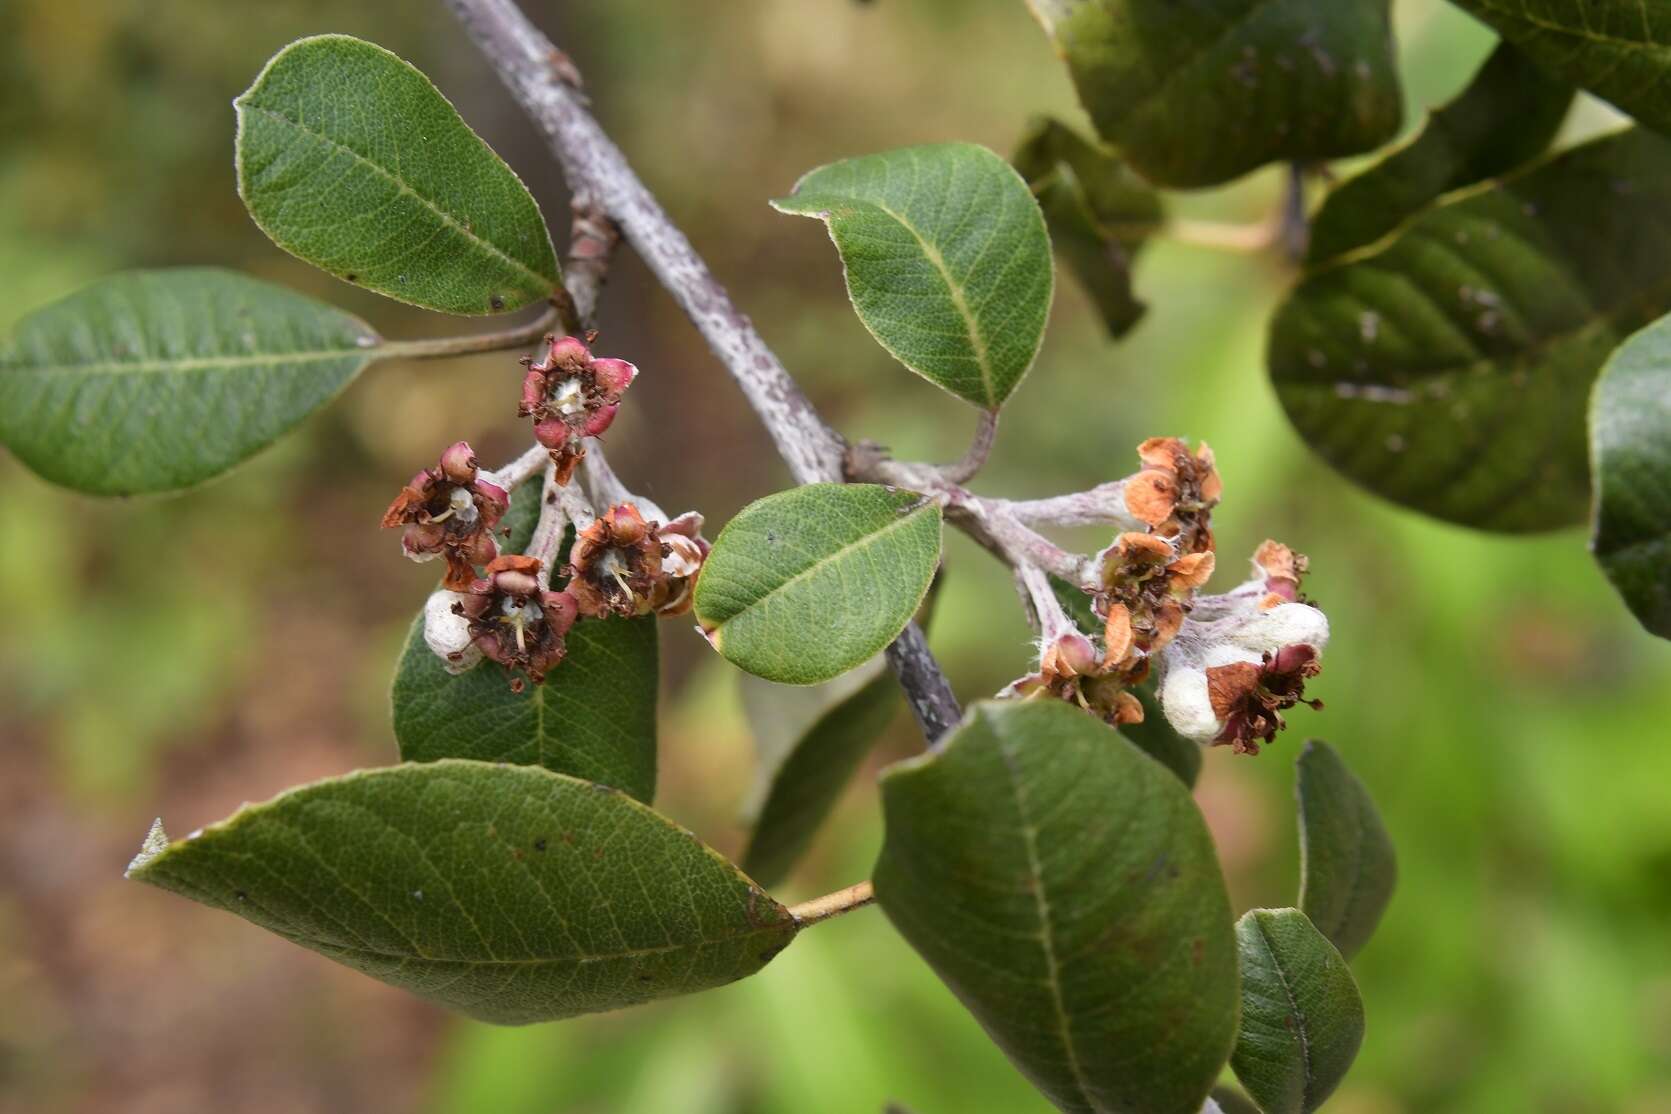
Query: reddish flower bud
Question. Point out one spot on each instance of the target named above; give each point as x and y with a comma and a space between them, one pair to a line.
458, 463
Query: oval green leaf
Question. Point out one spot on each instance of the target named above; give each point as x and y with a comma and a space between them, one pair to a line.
1065, 888
1348, 868
1197, 94
1617, 49
812, 776
806, 584
1302, 1016
158, 380
947, 261
1099, 214
508, 893
350, 159
1505, 118
1449, 369
1630, 444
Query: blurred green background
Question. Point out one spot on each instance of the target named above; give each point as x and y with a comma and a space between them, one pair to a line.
186, 654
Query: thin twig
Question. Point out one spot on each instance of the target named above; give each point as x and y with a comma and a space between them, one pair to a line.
990, 522
1103, 505
856, 896
596, 170
1249, 238
522, 469
548, 531
441, 347
979, 449
1048, 614
1294, 227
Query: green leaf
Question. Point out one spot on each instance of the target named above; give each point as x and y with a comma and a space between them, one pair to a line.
157, 380
1099, 214
1630, 443
804, 585
1617, 49
1505, 118
350, 159
1197, 94
1347, 865
1449, 369
947, 261
594, 718
805, 787
1065, 888
509, 893
1302, 1017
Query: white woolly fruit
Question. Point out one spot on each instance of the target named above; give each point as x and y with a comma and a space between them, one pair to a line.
447, 633
1245, 636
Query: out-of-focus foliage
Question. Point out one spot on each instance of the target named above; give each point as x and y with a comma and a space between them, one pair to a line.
1506, 712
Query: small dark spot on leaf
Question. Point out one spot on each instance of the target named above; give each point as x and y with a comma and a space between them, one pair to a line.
771, 953
516, 853
496, 302
1197, 951
646, 978
351, 277
240, 895
539, 844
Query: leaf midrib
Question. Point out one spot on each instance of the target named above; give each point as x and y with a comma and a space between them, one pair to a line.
1524, 16
1046, 933
1301, 1031
196, 363
317, 943
869, 539
543, 282
977, 343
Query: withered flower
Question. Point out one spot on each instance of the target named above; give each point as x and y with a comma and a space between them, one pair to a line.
516, 623
1282, 569
1072, 669
623, 565
571, 396
450, 512
1175, 492
1226, 681
1250, 699
1143, 584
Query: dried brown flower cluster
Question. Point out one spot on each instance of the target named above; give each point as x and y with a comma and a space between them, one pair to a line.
1229, 672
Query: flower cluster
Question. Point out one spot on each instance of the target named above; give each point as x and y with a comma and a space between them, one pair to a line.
449, 511
1228, 666
620, 565
571, 396
623, 565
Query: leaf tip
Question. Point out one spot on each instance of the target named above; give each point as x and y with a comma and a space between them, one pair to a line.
155, 843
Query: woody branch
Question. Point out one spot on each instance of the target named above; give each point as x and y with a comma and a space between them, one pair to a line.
542, 80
